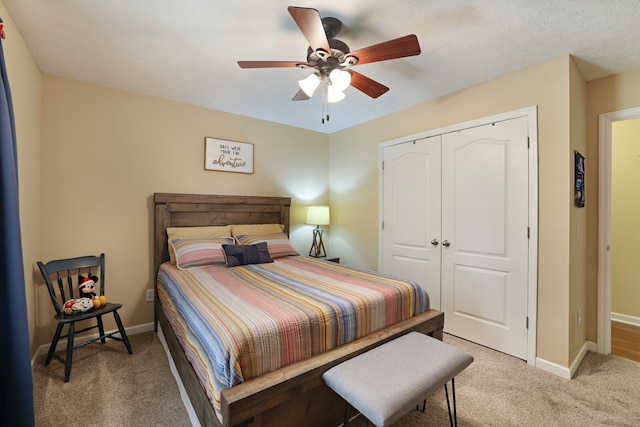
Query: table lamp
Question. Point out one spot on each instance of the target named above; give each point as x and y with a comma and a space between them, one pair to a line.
317, 215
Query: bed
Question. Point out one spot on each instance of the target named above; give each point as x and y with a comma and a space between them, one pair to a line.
291, 395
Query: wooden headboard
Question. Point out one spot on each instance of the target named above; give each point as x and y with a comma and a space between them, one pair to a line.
195, 210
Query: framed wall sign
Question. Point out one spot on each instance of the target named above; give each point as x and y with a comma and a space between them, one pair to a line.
228, 156
579, 178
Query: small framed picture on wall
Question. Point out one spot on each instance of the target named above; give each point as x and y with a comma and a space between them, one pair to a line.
228, 156
579, 178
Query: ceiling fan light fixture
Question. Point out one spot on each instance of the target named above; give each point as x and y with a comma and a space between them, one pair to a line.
340, 79
309, 84
334, 94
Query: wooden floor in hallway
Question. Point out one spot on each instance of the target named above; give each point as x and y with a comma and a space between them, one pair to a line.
625, 340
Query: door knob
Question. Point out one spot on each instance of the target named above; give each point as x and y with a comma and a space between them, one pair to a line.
446, 243
435, 242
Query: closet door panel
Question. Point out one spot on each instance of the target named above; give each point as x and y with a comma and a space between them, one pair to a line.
485, 220
411, 213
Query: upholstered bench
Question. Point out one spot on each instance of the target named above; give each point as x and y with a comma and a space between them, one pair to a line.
386, 382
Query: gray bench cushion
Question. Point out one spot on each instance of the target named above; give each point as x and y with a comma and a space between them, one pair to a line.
388, 381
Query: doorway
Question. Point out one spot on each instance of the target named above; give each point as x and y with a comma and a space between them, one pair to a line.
605, 224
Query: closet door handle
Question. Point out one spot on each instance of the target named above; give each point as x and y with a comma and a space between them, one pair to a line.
446, 243
435, 242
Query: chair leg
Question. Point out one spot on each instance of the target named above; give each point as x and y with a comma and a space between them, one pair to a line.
123, 333
67, 361
101, 329
54, 343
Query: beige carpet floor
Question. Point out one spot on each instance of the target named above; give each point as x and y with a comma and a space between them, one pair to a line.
109, 387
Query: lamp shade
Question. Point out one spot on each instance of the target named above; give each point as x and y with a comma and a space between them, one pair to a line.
309, 84
340, 79
317, 215
334, 94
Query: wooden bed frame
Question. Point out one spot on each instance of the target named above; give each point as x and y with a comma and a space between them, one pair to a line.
291, 396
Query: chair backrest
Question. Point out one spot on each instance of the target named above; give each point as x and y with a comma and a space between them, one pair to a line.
66, 275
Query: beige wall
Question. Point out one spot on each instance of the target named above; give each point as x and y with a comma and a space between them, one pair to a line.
625, 218
105, 152
25, 80
354, 184
578, 231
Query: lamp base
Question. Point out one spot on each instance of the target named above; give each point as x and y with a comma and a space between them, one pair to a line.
317, 247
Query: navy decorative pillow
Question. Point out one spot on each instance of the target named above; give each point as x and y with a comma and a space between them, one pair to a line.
246, 254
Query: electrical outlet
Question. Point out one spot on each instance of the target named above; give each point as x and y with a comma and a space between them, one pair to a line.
149, 295
579, 317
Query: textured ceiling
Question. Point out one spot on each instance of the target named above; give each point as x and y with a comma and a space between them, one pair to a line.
186, 50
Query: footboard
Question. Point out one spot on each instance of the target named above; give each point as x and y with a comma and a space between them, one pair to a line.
294, 395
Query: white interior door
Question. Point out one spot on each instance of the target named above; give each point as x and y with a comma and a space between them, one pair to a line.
411, 212
485, 235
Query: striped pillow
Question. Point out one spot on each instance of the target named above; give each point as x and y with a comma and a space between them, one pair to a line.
199, 252
208, 232
277, 243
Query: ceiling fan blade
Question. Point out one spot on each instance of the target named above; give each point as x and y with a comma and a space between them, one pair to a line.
392, 49
310, 24
301, 96
270, 64
366, 85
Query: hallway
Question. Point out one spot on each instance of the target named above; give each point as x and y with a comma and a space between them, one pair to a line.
625, 340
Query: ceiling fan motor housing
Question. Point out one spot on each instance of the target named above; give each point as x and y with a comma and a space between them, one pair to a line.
334, 59
332, 26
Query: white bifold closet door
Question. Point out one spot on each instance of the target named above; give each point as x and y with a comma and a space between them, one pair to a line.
455, 211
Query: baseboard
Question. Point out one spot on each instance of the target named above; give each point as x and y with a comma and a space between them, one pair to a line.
623, 318
587, 346
62, 344
562, 371
195, 422
553, 368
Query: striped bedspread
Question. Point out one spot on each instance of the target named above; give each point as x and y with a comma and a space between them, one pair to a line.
238, 323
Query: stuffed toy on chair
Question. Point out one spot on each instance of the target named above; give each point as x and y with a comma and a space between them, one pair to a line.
86, 285
77, 305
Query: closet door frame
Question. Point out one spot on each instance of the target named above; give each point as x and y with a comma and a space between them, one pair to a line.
532, 115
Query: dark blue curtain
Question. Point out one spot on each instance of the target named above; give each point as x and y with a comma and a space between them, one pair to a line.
16, 389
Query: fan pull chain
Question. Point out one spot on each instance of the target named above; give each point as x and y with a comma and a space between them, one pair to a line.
327, 111
325, 105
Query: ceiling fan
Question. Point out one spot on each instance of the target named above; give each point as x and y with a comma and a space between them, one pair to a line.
331, 59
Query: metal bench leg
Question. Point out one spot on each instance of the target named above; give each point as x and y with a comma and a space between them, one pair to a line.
453, 421
455, 408
346, 415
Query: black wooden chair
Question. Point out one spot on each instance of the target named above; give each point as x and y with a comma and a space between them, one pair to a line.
62, 288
